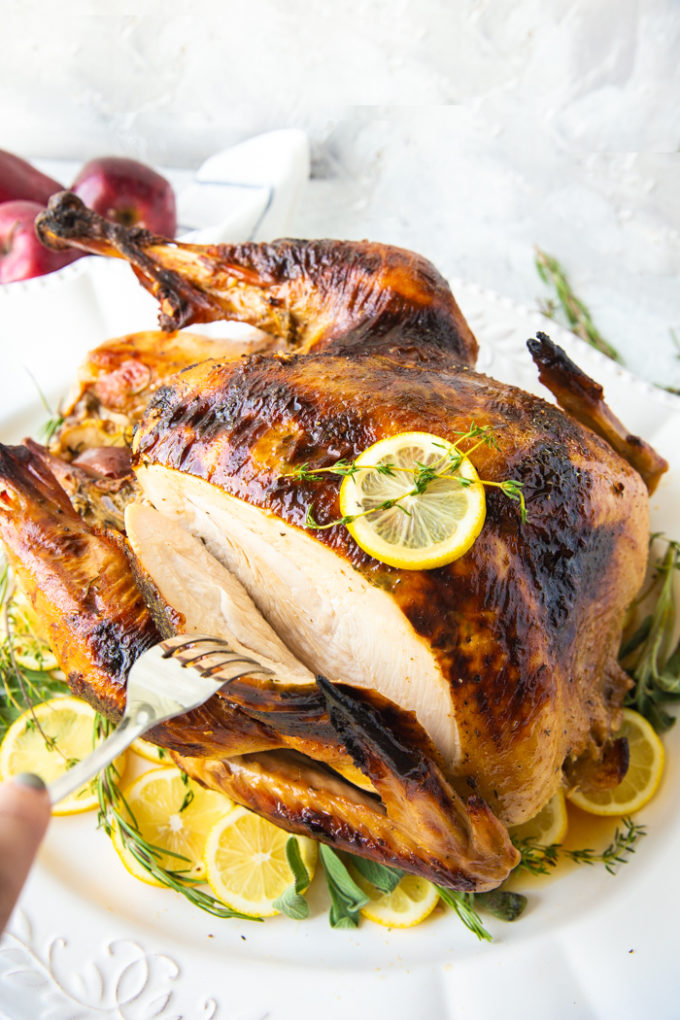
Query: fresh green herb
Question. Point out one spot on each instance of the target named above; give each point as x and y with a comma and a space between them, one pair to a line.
647, 655
502, 903
347, 898
115, 811
464, 906
423, 475
20, 688
505, 905
292, 902
578, 317
383, 878
47, 430
676, 342
539, 859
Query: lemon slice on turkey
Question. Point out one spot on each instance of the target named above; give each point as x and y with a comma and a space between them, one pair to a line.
642, 779
434, 512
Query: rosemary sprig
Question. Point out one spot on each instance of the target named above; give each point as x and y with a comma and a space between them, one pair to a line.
115, 811
540, 859
446, 467
463, 904
502, 904
577, 315
647, 655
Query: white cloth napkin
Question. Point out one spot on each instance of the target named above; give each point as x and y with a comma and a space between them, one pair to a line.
247, 192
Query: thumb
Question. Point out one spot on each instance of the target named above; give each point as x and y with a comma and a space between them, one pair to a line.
24, 815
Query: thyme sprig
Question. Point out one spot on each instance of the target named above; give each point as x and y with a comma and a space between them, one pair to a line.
540, 859
577, 315
446, 467
20, 687
647, 655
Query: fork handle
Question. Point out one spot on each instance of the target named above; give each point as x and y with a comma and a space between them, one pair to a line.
128, 730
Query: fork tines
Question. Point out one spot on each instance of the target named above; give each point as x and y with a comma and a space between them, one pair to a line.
229, 657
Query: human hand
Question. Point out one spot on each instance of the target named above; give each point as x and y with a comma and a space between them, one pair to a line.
24, 815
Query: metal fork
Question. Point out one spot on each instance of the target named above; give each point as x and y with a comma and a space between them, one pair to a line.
173, 677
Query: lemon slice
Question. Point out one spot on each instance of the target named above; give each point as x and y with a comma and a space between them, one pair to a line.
423, 530
67, 736
642, 779
408, 904
246, 862
151, 752
174, 814
548, 826
30, 649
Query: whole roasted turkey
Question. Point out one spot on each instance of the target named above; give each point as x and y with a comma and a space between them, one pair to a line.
413, 714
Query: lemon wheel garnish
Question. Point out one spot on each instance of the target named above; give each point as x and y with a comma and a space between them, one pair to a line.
423, 530
151, 752
548, 826
29, 648
49, 740
409, 903
173, 814
642, 779
246, 862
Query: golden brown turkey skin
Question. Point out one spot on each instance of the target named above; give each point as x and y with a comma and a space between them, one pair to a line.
308, 293
526, 626
524, 629
582, 397
79, 581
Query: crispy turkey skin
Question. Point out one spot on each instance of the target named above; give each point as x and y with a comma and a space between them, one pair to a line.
417, 712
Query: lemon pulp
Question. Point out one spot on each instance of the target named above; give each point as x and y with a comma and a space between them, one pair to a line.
173, 814
409, 903
548, 826
423, 529
246, 862
642, 779
48, 740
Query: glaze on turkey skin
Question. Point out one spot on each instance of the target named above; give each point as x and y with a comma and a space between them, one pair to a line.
526, 626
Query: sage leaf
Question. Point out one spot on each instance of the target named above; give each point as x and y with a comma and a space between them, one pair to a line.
383, 878
292, 904
347, 898
296, 864
507, 906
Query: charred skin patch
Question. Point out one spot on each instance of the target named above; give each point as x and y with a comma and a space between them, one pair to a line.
517, 608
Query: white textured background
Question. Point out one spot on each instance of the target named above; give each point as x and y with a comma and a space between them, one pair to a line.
468, 130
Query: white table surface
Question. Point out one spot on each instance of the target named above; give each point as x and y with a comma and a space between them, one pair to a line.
485, 128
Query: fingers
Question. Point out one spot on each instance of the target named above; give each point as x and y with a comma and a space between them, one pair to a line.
24, 815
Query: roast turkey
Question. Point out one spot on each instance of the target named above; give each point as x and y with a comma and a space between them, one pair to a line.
414, 715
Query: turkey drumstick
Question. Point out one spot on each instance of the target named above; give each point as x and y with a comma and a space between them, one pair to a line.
305, 292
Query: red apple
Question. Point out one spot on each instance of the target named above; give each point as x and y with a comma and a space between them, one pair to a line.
128, 193
22, 255
18, 179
